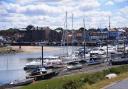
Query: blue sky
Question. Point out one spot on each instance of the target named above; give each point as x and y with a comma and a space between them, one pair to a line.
20, 13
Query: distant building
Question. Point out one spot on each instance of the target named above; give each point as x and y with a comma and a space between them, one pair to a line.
45, 34
116, 35
38, 35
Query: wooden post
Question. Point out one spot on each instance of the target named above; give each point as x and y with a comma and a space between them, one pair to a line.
20, 47
42, 56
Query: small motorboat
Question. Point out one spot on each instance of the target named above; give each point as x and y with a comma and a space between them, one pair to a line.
42, 73
49, 62
119, 61
73, 66
32, 65
21, 82
83, 61
52, 63
38, 71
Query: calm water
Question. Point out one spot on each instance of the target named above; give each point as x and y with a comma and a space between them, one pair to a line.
11, 65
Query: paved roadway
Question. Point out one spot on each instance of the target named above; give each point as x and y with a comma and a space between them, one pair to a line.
119, 85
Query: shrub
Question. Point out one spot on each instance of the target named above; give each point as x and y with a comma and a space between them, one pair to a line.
72, 84
115, 70
93, 77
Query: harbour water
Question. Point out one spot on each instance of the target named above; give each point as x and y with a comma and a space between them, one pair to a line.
11, 65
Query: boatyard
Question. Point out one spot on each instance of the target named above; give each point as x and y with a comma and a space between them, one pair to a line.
63, 44
50, 62
37, 62
54, 66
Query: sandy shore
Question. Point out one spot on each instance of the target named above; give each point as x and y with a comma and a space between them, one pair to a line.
30, 49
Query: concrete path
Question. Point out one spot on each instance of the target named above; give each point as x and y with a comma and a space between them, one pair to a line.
119, 85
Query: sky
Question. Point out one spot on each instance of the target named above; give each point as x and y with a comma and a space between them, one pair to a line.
52, 13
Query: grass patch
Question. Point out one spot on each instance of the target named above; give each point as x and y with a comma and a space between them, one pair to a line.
80, 81
55, 83
105, 82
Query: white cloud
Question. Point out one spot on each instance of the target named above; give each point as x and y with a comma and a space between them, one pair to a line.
52, 13
98, 13
89, 5
3, 11
120, 0
32, 9
24, 1
124, 10
119, 21
43, 8
109, 3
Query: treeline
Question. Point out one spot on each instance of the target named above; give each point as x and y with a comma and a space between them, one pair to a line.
45, 34
9, 32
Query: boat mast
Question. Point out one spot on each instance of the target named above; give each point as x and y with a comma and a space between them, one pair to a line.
66, 31
109, 27
84, 36
63, 41
72, 26
72, 31
63, 38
